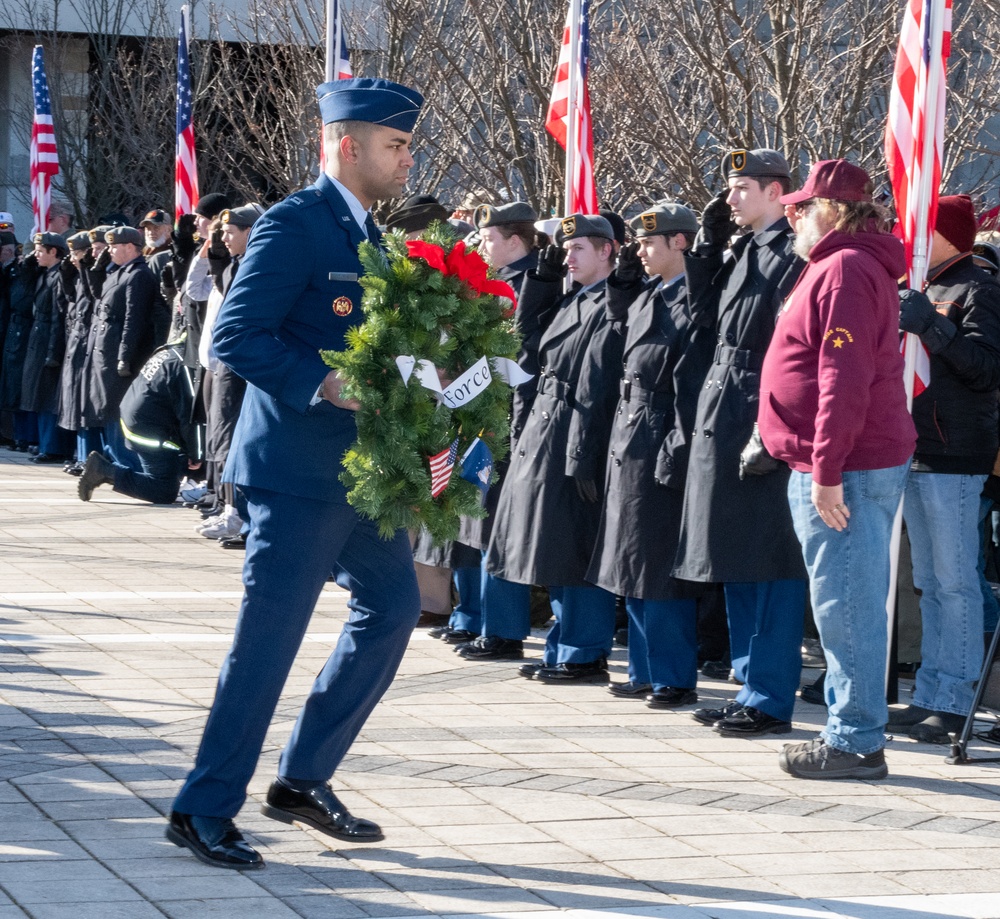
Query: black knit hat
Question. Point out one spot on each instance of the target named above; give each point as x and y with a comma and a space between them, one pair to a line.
212, 205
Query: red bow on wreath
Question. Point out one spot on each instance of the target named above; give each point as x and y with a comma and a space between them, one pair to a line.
466, 266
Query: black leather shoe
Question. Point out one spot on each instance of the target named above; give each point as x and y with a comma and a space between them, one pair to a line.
671, 697
814, 693
458, 636
529, 670
937, 727
96, 471
438, 631
907, 717
321, 809
48, 459
751, 722
590, 672
213, 840
491, 648
629, 690
74, 469
716, 670
712, 716
234, 542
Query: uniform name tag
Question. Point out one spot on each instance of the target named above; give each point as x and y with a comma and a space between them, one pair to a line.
342, 276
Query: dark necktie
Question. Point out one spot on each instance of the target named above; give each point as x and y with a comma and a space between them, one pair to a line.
374, 237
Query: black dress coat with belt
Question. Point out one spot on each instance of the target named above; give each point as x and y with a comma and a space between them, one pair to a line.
72, 384
544, 532
665, 360
735, 530
46, 346
20, 278
122, 331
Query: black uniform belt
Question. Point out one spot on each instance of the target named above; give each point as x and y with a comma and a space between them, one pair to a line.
740, 358
549, 385
658, 401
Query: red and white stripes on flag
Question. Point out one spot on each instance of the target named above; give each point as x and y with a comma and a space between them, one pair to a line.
186, 166
568, 118
441, 466
44, 155
914, 141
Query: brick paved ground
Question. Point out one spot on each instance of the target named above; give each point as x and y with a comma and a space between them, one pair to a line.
498, 796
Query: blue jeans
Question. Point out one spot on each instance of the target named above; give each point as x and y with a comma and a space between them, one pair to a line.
849, 585
663, 642
158, 480
942, 520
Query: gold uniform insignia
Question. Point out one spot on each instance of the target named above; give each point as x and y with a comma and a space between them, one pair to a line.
648, 221
738, 160
342, 306
482, 215
569, 226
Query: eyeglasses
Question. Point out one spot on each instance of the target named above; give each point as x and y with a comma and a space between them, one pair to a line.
803, 206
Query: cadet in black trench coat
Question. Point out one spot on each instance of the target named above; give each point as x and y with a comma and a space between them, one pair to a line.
20, 277
665, 360
549, 512
738, 531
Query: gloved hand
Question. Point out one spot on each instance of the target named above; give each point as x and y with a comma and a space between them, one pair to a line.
51, 362
586, 489
551, 264
629, 270
87, 261
68, 272
168, 286
717, 226
916, 312
183, 237
755, 460
103, 260
124, 370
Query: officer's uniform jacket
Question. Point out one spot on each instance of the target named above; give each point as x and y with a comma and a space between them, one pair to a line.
544, 533
73, 379
122, 331
296, 293
21, 276
156, 410
736, 530
664, 363
46, 344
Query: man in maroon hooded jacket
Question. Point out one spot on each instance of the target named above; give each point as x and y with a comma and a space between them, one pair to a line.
832, 406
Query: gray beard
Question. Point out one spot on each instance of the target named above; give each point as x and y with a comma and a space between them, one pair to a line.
808, 234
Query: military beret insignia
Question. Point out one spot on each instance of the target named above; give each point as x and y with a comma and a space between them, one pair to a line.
738, 160
483, 214
569, 226
342, 306
648, 221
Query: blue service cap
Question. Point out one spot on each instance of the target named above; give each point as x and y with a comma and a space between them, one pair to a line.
367, 99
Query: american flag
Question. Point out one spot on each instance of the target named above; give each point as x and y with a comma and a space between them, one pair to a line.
186, 166
441, 466
44, 155
914, 141
581, 192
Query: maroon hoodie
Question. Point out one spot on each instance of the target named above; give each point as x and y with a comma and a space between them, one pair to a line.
831, 388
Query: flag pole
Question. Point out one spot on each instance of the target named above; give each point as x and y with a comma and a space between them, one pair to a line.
572, 109
332, 40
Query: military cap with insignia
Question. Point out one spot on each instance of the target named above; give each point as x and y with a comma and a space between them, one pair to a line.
51, 241
376, 101
79, 242
243, 217
416, 213
97, 234
156, 218
665, 219
578, 225
515, 212
987, 257
756, 164
121, 235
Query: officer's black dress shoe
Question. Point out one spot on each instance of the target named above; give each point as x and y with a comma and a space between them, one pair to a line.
438, 631
321, 809
671, 697
712, 716
815, 692
751, 722
234, 542
590, 672
529, 669
48, 459
33, 449
458, 636
213, 840
716, 670
629, 690
491, 648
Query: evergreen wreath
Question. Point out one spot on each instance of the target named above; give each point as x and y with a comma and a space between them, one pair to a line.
433, 300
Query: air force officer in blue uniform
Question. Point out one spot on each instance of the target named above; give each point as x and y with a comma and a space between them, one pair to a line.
297, 293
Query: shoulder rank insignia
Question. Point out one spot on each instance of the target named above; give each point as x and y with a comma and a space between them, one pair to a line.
342, 306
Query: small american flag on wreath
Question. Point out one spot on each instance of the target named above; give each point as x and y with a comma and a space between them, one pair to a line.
441, 466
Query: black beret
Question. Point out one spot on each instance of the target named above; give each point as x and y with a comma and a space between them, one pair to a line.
578, 225
514, 212
665, 219
758, 164
122, 235
52, 240
243, 217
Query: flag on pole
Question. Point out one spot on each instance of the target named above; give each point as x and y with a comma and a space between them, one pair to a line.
477, 465
186, 166
441, 466
44, 154
914, 141
568, 119
338, 64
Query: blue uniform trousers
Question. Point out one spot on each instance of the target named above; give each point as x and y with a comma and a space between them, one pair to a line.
293, 545
663, 642
766, 621
584, 627
468, 615
88, 440
506, 606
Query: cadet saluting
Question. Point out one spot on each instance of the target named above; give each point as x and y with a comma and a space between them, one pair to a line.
297, 292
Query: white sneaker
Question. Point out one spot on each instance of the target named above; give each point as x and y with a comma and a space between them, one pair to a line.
226, 528
209, 522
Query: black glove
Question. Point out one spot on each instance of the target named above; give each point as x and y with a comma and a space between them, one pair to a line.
629, 270
183, 237
551, 264
123, 369
586, 489
916, 312
51, 362
103, 260
68, 272
717, 226
755, 460
168, 286
88, 261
